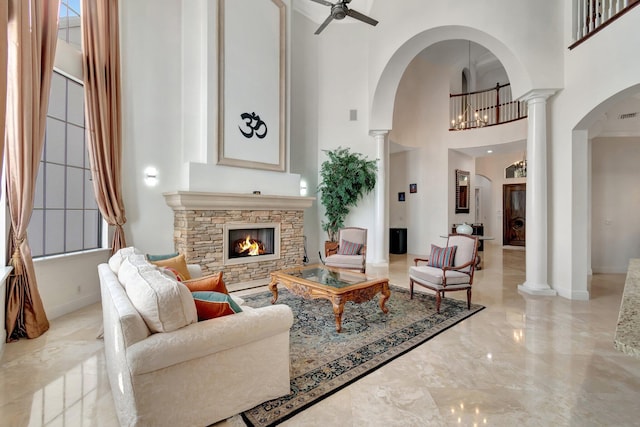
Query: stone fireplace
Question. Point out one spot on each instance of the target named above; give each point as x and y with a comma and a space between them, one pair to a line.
207, 226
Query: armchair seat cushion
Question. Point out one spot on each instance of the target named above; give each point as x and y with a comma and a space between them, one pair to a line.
345, 261
434, 276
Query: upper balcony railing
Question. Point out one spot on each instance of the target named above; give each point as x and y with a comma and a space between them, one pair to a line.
485, 108
590, 16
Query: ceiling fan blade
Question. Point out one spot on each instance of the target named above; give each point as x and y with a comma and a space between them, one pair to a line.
324, 24
360, 17
324, 2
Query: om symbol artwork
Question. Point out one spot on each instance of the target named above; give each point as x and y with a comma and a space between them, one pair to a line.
253, 125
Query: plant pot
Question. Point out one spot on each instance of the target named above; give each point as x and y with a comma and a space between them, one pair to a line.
330, 248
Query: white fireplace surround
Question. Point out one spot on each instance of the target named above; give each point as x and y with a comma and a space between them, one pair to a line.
187, 200
249, 259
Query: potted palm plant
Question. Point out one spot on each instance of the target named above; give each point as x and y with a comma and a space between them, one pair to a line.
345, 178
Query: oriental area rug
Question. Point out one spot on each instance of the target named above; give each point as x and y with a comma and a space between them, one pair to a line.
324, 361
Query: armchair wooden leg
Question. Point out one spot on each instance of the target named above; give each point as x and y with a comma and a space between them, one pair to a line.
438, 300
410, 288
469, 299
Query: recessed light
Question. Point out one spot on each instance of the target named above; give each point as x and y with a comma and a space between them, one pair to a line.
489, 151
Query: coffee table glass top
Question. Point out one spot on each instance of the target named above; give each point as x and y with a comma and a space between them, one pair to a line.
324, 276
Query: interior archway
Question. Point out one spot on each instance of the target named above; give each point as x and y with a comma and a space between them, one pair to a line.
383, 99
602, 141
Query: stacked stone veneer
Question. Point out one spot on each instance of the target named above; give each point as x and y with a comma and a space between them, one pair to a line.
199, 234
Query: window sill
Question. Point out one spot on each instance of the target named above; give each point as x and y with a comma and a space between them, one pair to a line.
71, 256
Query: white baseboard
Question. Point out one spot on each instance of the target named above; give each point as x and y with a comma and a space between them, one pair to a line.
71, 306
609, 270
233, 287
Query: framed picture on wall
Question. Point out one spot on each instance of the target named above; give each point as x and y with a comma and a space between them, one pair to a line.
252, 84
413, 188
401, 197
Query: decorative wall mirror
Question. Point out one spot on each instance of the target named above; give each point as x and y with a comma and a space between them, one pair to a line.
462, 191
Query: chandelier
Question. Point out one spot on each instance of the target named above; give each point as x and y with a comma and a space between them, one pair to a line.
469, 118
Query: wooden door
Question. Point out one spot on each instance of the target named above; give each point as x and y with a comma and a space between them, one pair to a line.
514, 208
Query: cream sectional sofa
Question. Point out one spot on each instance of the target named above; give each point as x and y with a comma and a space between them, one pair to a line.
193, 375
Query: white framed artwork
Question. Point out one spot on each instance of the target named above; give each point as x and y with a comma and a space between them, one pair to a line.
252, 84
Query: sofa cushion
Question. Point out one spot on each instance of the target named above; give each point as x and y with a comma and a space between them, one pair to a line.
161, 257
212, 282
116, 259
344, 261
164, 304
435, 276
178, 263
210, 305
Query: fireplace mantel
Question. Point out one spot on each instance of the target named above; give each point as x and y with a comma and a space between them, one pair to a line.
193, 200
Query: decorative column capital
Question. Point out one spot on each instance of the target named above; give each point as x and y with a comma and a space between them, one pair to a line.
538, 95
378, 132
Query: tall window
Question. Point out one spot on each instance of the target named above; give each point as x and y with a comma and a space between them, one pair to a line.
69, 28
65, 216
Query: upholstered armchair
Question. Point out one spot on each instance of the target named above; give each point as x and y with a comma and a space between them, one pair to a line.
350, 251
447, 269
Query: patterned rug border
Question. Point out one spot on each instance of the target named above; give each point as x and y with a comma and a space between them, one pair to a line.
365, 368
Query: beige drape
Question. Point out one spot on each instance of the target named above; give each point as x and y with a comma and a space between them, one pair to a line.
4, 22
101, 69
32, 34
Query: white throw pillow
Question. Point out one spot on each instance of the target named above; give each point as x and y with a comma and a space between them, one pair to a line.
116, 259
131, 266
165, 304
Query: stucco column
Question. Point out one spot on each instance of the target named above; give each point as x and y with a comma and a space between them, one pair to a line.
536, 218
378, 237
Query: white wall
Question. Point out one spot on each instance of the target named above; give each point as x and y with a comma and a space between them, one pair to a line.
399, 180
596, 72
152, 117
615, 198
69, 282
304, 123
484, 204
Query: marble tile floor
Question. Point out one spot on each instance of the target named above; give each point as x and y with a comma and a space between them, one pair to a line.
523, 361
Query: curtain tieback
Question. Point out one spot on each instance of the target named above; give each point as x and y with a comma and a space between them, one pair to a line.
16, 259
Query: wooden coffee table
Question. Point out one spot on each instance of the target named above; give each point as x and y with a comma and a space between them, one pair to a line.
334, 284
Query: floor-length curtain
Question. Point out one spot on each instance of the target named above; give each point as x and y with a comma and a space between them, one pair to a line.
4, 22
32, 34
101, 70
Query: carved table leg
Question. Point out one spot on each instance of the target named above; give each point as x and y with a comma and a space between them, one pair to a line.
338, 309
273, 287
384, 296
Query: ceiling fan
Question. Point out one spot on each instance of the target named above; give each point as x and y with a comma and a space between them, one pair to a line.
341, 9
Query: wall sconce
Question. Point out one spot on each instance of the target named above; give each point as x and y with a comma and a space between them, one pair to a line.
303, 187
151, 176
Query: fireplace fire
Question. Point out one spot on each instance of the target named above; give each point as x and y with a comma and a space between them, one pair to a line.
248, 247
252, 242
